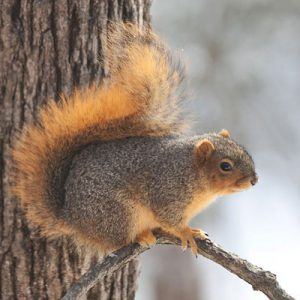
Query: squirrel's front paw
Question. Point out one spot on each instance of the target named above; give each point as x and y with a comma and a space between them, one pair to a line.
146, 238
199, 233
187, 236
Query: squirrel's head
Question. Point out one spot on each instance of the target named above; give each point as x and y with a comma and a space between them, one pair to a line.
226, 166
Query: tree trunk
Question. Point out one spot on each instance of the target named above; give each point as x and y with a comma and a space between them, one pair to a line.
48, 47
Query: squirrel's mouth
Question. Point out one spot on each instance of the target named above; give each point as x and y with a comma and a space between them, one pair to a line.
246, 182
240, 185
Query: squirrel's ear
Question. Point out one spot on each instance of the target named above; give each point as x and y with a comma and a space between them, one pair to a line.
204, 150
224, 133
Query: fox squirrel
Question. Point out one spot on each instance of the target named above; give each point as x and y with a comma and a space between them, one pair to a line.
109, 164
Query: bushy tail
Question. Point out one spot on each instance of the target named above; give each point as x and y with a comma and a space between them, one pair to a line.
140, 98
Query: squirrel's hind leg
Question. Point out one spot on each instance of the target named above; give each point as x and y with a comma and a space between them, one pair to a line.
146, 238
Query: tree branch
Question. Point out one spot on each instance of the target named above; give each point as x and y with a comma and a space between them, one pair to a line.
260, 279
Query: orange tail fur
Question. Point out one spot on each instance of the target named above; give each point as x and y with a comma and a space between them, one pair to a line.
141, 98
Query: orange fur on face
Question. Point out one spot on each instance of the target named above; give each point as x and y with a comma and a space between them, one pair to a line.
223, 184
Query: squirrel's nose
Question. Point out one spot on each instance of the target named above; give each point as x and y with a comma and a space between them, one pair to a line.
254, 180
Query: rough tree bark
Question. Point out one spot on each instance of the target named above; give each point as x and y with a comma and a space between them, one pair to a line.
48, 47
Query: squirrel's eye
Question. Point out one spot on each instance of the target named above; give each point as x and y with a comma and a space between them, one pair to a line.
225, 166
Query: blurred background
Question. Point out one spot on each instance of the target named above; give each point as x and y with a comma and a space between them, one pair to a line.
243, 65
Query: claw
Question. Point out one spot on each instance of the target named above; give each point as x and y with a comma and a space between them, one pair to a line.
187, 237
184, 243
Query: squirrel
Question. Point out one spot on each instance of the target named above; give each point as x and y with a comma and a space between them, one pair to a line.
109, 164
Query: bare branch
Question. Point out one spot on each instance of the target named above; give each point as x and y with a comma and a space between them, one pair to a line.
260, 279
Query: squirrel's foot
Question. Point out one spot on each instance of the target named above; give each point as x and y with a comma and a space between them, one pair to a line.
199, 233
146, 238
187, 236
